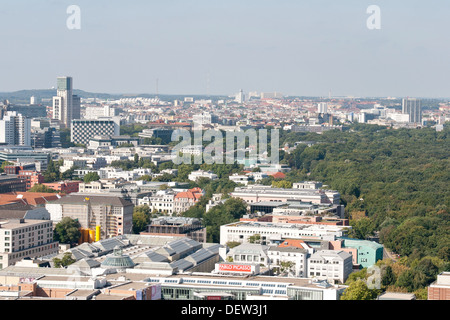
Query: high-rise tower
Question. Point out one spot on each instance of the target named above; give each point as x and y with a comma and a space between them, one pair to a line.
66, 106
412, 107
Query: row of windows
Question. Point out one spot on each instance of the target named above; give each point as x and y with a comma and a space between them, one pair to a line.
32, 251
28, 229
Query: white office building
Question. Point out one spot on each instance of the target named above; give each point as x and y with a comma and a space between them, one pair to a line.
84, 129
273, 233
66, 105
195, 175
333, 266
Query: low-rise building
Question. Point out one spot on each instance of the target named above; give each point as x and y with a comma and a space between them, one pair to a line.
173, 226
186, 199
113, 214
365, 253
330, 265
272, 233
288, 260
195, 175
64, 186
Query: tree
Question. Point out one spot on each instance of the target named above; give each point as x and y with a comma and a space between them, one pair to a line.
358, 290
282, 184
406, 280
362, 228
236, 207
388, 277
4, 164
41, 188
91, 176
67, 231
52, 173
65, 261
256, 238
141, 218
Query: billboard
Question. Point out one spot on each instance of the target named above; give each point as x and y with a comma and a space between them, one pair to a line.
236, 268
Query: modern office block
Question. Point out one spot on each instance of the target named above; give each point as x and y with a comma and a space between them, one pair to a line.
84, 129
66, 106
412, 107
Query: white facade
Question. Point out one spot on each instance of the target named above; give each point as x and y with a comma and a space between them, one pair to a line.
275, 232
195, 175
237, 178
25, 238
322, 107
162, 201
330, 265
296, 256
15, 129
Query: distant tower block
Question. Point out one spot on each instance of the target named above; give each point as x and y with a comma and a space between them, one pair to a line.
322, 107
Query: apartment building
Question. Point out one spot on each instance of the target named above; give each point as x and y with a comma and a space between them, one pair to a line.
31, 178
113, 214
186, 199
64, 186
22, 238
289, 260
161, 201
330, 265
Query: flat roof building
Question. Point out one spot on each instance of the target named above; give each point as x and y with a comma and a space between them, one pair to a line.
275, 233
22, 238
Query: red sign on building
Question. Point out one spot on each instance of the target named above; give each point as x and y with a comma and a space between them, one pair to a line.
235, 268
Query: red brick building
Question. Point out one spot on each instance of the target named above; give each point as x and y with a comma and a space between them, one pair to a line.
64, 186
440, 289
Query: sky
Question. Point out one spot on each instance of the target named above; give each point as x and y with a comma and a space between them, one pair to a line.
211, 47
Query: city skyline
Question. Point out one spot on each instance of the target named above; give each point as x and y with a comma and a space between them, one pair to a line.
211, 48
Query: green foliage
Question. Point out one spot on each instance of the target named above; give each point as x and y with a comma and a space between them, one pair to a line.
231, 210
358, 290
4, 164
255, 238
233, 244
388, 277
362, 228
67, 231
65, 261
141, 218
399, 177
91, 176
52, 173
165, 177
282, 184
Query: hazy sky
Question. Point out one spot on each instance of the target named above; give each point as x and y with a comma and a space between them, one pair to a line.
296, 47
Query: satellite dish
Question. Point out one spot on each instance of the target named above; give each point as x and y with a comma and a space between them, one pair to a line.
58, 196
19, 196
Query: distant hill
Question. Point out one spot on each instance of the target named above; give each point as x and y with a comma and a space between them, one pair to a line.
23, 96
